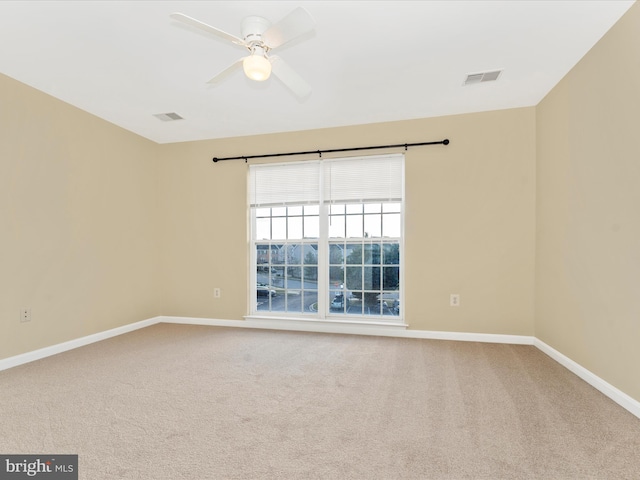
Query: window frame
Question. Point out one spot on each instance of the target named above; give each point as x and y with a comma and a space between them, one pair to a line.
324, 289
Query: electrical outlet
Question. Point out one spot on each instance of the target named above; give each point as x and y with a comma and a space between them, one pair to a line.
454, 300
25, 314
216, 293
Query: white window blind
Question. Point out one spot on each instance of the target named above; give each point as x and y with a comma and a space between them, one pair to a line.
375, 178
284, 184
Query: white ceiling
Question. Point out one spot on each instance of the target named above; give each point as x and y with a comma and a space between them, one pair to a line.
367, 61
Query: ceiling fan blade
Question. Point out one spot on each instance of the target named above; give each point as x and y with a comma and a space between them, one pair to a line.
293, 25
290, 78
180, 17
226, 72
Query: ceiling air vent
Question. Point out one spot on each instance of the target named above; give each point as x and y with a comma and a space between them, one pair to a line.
473, 78
168, 117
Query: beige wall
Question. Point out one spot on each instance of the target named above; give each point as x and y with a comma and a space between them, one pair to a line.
101, 228
588, 210
78, 222
470, 219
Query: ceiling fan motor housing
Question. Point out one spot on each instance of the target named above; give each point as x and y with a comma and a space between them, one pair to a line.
253, 27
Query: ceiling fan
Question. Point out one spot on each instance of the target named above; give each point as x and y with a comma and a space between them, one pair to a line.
260, 37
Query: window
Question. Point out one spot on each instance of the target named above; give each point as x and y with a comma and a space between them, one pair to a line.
326, 238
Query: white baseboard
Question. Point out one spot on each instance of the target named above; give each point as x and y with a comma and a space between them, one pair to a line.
71, 344
607, 389
595, 381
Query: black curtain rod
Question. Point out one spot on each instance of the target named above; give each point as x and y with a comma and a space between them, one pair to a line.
320, 152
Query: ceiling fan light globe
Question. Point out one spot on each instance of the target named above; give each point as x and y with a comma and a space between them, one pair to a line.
256, 67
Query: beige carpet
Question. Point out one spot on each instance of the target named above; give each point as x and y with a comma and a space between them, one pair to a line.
191, 402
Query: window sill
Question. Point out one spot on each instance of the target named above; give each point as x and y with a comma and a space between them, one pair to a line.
324, 324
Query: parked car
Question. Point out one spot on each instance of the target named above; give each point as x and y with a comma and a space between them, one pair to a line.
338, 302
264, 291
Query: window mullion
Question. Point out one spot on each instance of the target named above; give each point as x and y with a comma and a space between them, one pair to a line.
323, 249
